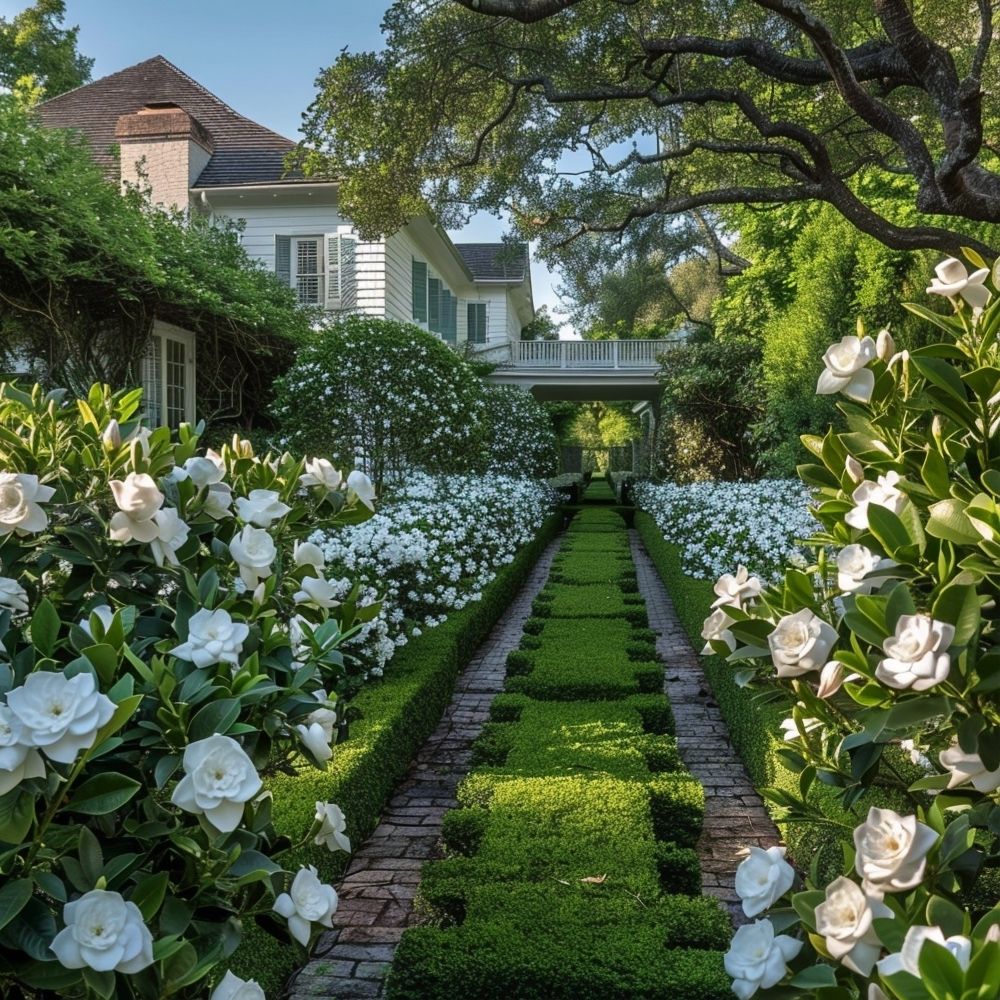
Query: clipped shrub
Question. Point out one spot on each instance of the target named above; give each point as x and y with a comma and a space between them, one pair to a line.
382, 395
519, 436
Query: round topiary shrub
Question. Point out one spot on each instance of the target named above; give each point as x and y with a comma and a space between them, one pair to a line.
520, 440
383, 397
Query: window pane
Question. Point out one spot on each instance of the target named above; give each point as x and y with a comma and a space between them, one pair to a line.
176, 383
308, 271
152, 382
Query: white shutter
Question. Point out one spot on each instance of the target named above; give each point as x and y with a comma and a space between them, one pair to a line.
332, 270
341, 271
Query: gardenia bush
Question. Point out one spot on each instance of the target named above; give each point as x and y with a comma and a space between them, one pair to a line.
150, 676
720, 525
520, 439
888, 638
385, 397
430, 550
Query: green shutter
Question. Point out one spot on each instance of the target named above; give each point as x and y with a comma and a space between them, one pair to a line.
477, 322
454, 319
447, 330
434, 305
283, 258
419, 296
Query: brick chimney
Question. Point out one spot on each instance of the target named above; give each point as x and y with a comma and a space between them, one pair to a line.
165, 149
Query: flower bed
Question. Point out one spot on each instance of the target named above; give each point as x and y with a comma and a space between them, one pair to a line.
430, 550
571, 870
723, 525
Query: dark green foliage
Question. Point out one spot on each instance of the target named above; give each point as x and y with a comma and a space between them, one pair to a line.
680, 871
351, 392
462, 829
38, 57
520, 440
396, 716
588, 601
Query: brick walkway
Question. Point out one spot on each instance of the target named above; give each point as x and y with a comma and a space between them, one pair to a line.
735, 817
351, 962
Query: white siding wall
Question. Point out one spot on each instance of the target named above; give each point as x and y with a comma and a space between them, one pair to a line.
264, 222
399, 253
513, 323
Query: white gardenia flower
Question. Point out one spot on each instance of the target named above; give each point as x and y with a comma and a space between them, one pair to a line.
60, 715
18, 760
855, 564
952, 278
875, 992
845, 919
716, 629
171, 534
138, 499
762, 878
831, 679
916, 656
204, 470
307, 902
800, 643
111, 436
320, 472
758, 958
325, 716
332, 825
213, 637
219, 779
315, 740
308, 554
790, 730
105, 614
318, 592
735, 589
907, 959
253, 551
217, 501
845, 369
261, 508
891, 851
232, 987
13, 596
362, 488
968, 767
883, 493
885, 346
854, 469
105, 933
20, 499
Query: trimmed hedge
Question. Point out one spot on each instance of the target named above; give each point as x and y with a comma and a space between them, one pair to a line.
571, 872
396, 715
754, 723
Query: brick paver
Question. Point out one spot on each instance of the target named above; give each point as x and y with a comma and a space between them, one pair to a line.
376, 895
735, 817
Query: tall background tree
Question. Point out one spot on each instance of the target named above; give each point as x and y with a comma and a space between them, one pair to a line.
38, 57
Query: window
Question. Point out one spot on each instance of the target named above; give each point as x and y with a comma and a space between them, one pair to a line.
321, 269
419, 293
476, 313
168, 375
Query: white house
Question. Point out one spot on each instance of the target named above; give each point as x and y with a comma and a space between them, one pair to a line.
153, 124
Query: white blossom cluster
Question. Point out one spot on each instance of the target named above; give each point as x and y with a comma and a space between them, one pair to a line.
431, 549
720, 525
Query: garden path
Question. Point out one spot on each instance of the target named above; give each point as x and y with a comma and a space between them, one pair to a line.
735, 816
376, 895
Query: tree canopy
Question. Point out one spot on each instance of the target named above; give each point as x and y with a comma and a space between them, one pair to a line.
583, 117
38, 57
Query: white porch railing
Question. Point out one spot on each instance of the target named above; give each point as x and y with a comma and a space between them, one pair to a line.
589, 353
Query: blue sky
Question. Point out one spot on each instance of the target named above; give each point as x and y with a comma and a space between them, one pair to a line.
261, 58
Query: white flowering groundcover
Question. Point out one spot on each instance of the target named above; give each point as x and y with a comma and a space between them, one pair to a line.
720, 526
429, 550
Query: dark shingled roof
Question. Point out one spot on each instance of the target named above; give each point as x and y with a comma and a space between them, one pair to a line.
495, 261
245, 152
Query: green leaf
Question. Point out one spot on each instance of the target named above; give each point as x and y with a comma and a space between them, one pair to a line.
103, 794
32, 931
45, 627
104, 660
946, 323
890, 531
945, 914
14, 897
17, 813
90, 854
148, 894
814, 977
910, 712
934, 473
940, 971
948, 520
959, 605
216, 717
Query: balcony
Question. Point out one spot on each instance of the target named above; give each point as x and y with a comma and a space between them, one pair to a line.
610, 355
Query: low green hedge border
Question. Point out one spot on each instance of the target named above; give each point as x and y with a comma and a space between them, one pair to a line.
754, 725
397, 715
572, 871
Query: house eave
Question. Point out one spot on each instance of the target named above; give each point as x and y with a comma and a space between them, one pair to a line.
271, 186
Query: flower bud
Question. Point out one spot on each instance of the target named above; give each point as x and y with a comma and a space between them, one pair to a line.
885, 346
854, 469
112, 436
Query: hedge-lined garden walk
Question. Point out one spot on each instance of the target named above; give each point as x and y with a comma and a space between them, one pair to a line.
378, 888
735, 815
